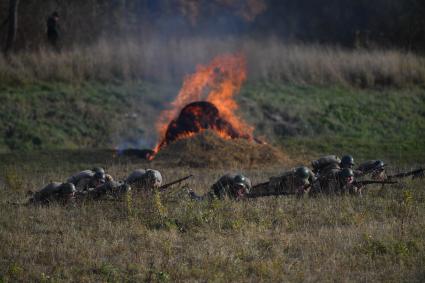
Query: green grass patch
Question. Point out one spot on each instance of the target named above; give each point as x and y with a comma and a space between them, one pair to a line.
386, 123
303, 119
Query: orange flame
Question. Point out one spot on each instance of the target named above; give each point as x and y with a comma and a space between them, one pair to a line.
216, 83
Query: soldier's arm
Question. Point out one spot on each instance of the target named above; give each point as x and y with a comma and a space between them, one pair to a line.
359, 173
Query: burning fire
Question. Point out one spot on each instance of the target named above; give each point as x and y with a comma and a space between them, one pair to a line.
206, 101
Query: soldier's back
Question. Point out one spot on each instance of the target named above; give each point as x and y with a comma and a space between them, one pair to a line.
76, 178
328, 182
54, 191
135, 176
112, 188
47, 191
324, 162
221, 188
367, 165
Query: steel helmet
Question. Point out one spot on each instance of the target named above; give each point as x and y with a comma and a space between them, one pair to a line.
302, 172
243, 181
67, 188
346, 172
347, 161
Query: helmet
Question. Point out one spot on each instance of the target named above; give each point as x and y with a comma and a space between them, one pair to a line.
154, 176
67, 188
302, 172
346, 172
98, 170
99, 176
123, 188
379, 164
243, 181
347, 161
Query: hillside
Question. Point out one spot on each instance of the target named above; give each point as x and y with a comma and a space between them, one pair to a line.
385, 123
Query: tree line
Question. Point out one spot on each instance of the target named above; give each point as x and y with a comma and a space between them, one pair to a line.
360, 23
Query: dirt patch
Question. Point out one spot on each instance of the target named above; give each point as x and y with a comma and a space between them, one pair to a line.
210, 151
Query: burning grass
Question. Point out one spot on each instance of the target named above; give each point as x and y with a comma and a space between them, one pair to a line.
208, 150
207, 101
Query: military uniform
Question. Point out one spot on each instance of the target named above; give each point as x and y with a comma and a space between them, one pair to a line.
89, 179
111, 188
53, 30
373, 167
294, 182
325, 164
336, 181
147, 179
54, 192
329, 163
233, 186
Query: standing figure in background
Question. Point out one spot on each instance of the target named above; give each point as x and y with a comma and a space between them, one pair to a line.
53, 31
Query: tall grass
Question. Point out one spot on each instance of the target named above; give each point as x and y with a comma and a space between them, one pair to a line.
169, 238
170, 60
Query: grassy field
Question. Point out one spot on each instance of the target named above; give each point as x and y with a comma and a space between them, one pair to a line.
58, 115
168, 238
305, 98
168, 61
62, 113
384, 123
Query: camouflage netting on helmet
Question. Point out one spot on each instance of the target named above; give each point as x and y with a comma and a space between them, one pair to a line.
209, 150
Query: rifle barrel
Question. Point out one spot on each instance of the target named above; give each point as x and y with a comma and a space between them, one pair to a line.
407, 174
163, 187
368, 182
260, 184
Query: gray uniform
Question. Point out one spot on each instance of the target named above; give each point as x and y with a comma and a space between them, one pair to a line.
373, 167
88, 179
325, 164
228, 186
333, 183
54, 192
145, 179
111, 188
82, 179
289, 183
233, 186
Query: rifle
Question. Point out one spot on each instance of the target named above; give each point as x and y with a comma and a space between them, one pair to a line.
368, 182
266, 194
372, 170
261, 185
164, 187
16, 203
415, 173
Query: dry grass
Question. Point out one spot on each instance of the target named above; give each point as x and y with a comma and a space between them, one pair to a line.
170, 60
207, 150
171, 239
